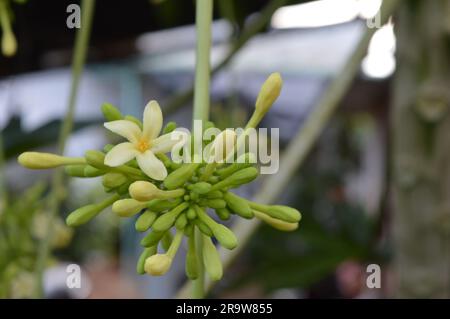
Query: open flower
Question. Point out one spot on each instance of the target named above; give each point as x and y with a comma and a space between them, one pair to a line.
143, 144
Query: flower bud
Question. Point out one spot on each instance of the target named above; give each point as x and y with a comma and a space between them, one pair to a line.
90, 171
286, 213
165, 221
113, 180
145, 221
180, 176
181, 222
268, 94
222, 146
191, 214
214, 195
96, 159
152, 238
243, 161
143, 191
203, 227
160, 205
215, 203
36, 160
211, 259
158, 265
9, 43
111, 113
201, 188
223, 213
276, 223
238, 178
238, 205
149, 251
83, 215
170, 127
127, 207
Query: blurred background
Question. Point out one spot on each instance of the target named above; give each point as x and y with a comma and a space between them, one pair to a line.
373, 190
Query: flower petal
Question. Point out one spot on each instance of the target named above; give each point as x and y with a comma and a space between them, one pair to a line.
151, 165
120, 154
164, 143
153, 120
126, 129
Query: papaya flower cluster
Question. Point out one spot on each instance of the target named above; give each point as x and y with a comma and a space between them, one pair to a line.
173, 201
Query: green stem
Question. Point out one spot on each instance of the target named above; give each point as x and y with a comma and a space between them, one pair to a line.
204, 14
79, 58
297, 150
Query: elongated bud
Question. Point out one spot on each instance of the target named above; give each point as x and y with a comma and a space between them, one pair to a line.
214, 203
158, 265
152, 238
191, 266
166, 220
150, 251
224, 235
145, 221
36, 160
285, 213
180, 176
169, 128
201, 188
203, 227
143, 191
159, 205
269, 92
181, 222
214, 195
243, 161
211, 259
90, 171
238, 205
276, 223
96, 159
111, 113
166, 241
223, 213
238, 178
82, 215
9, 44
127, 207
191, 214
113, 180
222, 146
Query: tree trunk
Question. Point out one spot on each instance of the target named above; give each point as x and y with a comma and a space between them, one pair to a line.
421, 151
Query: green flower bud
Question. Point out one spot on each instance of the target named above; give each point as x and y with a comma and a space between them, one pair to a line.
276, 223
285, 213
191, 214
238, 178
134, 120
108, 147
191, 267
214, 195
96, 159
84, 214
166, 241
90, 171
9, 43
36, 160
244, 161
157, 265
169, 128
150, 251
223, 213
166, 220
113, 180
127, 207
215, 203
160, 205
111, 113
123, 189
152, 238
145, 221
203, 227
181, 222
180, 176
75, 170
211, 259
201, 188
238, 205
145, 191
269, 92
224, 235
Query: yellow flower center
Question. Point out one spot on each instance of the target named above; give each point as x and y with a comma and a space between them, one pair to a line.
143, 145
